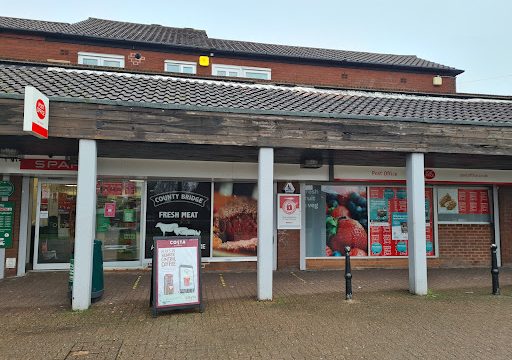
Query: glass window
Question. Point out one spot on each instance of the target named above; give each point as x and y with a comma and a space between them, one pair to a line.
464, 205
235, 214
188, 70
240, 71
118, 219
101, 59
183, 67
90, 61
179, 208
256, 75
111, 63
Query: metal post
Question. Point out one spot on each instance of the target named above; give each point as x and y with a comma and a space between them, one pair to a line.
494, 270
348, 275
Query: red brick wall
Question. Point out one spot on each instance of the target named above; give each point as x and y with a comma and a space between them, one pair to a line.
505, 202
36, 48
13, 251
463, 245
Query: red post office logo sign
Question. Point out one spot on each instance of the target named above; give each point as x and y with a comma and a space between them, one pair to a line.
36, 113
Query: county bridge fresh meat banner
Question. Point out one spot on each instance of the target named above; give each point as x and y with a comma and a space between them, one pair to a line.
179, 208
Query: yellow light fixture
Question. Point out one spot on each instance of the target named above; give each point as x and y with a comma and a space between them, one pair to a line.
204, 61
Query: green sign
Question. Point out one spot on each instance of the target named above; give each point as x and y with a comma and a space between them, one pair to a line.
6, 188
6, 222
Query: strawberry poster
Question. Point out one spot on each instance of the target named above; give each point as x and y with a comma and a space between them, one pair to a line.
388, 221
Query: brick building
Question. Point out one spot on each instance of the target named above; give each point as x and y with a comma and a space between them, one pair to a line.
142, 112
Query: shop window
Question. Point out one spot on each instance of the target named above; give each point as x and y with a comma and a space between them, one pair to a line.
235, 226
101, 59
240, 71
118, 213
183, 67
179, 208
371, 220
463, 205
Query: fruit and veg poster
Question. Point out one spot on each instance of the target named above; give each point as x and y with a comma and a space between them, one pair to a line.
346, 220
388, 221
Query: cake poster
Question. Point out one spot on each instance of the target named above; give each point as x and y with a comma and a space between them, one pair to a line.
179, 208
389, 221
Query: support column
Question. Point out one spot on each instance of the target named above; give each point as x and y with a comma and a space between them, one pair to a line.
416, 224
85, 228
265, 222
24, 218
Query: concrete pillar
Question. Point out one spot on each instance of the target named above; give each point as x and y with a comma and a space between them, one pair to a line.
416, 224
85, 228
24, 219
265, 222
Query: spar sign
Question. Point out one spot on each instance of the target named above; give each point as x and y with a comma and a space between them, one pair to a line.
36, 113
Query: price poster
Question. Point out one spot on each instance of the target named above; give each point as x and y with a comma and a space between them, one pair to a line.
176, 273
463, 204
6, 223
388, 221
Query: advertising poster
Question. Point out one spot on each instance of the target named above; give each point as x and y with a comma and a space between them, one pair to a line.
388, 221
176, 272
463, 205
289, 211
6, 223
178, 208
346, 220
235, 214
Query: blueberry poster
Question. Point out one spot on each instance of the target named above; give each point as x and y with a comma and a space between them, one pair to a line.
346, 220
179, 208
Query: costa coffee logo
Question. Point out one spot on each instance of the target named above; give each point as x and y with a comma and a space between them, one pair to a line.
430, 174
40, 109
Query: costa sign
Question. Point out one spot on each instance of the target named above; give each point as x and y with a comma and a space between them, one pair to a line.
47, 164
36, 113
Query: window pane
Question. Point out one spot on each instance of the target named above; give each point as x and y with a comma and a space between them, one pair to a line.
188, 69
173, 68
221, 73
90, 61
112, 63
118, 219
233, 73
257, 75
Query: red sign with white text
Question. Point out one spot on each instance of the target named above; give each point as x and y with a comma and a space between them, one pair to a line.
36, 113
47, 164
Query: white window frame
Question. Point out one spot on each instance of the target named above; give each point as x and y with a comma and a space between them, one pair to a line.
241, 71
180, 64
100, 57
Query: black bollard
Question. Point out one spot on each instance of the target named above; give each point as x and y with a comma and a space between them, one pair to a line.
495, 271
348, 275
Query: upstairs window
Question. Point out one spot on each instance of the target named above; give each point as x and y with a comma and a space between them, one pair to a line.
101, 59
183, 67
241, 71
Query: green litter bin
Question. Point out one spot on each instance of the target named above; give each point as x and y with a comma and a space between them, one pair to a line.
97, 273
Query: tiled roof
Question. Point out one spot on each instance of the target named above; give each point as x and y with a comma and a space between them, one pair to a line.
223, 96
191, 38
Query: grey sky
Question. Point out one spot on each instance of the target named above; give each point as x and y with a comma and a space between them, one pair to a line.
470, 35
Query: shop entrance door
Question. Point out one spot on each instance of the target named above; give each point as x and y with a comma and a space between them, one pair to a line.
55, 224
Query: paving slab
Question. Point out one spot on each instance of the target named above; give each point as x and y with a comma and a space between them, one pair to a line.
308, 318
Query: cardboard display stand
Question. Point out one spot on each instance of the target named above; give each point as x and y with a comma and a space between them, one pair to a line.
176, 274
